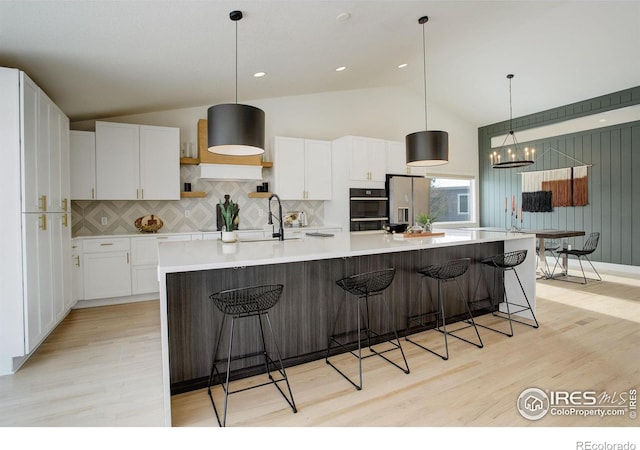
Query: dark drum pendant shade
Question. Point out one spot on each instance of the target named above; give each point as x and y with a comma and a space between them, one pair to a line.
427, 148
235, 129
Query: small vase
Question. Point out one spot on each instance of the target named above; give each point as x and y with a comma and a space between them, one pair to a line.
427, 227
229, 236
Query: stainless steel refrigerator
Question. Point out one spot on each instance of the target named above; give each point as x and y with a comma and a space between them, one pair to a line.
408, 198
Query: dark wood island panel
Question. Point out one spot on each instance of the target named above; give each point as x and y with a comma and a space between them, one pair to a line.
306, 310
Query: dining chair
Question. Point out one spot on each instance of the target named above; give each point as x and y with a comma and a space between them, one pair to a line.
588, 248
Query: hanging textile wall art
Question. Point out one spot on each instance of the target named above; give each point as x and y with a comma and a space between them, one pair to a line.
544, 190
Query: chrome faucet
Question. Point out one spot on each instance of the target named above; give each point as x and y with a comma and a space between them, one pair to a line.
280, 233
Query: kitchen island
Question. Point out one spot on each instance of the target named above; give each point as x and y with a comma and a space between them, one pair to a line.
189, 271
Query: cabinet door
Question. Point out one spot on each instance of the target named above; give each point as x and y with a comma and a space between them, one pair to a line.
159, 163
107, 269
82, 149
318, 170
289, 168
38, 296
396, 158
377, 151
58, 137
117, 161
359, 159
35, 147
77, 261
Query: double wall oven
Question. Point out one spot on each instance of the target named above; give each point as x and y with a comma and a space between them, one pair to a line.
367, 209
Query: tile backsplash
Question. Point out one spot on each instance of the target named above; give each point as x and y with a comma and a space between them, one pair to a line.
121, 214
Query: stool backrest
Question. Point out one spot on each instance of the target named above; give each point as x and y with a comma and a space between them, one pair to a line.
367, 283
247, 300
509, 259
592, 243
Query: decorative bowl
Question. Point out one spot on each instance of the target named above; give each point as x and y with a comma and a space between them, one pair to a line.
148, 224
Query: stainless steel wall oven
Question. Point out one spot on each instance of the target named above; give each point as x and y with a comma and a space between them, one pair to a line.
367, 209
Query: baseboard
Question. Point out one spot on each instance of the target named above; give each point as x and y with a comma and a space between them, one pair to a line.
117, 300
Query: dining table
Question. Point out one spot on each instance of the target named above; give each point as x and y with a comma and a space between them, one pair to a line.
541, 235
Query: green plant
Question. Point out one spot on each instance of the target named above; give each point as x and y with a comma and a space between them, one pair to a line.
229, 214
424, 219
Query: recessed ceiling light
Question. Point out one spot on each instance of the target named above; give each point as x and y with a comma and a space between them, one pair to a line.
259, 74
343, 17
402, 66
340, 69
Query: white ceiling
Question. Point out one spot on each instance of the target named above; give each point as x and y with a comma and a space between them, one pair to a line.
100, 58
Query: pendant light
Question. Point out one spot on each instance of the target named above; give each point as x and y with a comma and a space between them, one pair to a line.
234, 129
506, 158
426, 148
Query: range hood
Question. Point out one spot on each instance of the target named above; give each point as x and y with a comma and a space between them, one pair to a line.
230, 172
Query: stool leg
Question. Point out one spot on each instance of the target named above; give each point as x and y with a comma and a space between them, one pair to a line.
226, 387
528, 304
444, 324
395, 333
332, 339
473, 323
283, 373
214, 368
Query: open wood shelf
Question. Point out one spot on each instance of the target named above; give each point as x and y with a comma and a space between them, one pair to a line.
189, 161
195, 194
259, 194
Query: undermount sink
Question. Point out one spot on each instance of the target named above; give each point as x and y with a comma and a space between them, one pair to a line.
263, 239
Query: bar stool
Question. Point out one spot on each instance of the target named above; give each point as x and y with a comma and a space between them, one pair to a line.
364, 286
503, 263
444, 273
242, 303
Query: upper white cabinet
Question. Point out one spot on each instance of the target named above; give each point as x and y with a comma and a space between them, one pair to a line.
302, 168
368, 158
397, 160
82, 149
137, 162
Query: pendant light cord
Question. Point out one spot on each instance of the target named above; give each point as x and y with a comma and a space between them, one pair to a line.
236, 62
424, 67
510, 106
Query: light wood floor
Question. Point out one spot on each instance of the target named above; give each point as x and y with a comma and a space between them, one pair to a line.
101, 367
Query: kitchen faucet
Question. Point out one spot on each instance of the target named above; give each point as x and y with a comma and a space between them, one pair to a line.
280, 234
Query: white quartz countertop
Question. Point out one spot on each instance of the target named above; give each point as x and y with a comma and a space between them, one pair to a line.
185, 256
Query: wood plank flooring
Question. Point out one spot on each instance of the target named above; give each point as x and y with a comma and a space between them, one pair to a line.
101, 367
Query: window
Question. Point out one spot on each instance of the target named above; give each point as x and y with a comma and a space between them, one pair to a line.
463, 204
452, 198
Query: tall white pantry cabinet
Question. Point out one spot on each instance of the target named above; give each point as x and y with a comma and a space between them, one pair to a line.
35, 230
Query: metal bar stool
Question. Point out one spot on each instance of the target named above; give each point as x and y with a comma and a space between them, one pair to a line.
503, 263
444, 273
364, 286
254, 301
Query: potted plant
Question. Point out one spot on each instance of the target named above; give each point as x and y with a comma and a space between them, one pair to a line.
426, 220
229, 213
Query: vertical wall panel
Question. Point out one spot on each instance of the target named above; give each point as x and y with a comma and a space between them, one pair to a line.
613, 190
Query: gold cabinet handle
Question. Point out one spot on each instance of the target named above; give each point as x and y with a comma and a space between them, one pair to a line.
43, 222
78, 260
108, 243
43, 202
127, 257
93, 193
65, 221
65, 204
141, 194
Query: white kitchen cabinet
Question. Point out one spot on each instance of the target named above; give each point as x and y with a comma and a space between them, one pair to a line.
77, 263
35, 222
397, 160
302, 168
137, 162
82, 149
368, 158
107, 268
144, 261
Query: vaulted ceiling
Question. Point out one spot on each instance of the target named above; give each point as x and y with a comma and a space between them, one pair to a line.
100, 58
